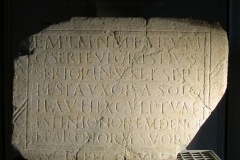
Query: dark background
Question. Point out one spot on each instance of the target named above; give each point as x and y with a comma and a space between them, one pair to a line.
22, 18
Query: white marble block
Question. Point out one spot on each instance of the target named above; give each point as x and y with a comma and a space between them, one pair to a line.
117, 88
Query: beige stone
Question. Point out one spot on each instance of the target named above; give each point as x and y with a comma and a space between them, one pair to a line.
117, 88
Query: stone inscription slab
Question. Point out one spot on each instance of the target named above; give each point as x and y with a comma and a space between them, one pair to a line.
117, 88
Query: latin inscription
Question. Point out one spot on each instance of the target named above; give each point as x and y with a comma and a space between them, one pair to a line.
94, 89
118, 41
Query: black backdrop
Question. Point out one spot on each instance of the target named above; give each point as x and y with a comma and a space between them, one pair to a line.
22, 18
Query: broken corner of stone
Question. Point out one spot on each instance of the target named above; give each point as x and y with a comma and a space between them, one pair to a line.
117, 88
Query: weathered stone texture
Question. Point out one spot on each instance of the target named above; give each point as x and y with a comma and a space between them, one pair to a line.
117, 88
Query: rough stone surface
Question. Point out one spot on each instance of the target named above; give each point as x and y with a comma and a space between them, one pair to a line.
116, 88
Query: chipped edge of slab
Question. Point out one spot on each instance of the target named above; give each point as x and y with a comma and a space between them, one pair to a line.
91, 23
184, 24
